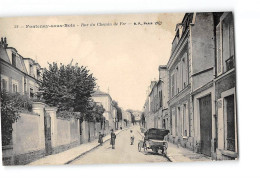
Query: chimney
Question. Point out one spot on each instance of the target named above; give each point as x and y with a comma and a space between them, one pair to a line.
3, 42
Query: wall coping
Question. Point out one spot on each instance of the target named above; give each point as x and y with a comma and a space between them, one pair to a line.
51, 109
37, 105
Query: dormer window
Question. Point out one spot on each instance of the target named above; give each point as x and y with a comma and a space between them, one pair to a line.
31, 69
13, 59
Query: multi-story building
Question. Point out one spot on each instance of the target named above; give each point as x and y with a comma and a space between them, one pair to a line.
225, 88
156, 106
18, 74
106, 101
201, 87
179, 66
147, 109
163, 97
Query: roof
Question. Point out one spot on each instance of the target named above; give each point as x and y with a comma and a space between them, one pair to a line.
3, 54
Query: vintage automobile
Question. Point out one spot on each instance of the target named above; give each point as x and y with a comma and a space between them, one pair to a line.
154, 139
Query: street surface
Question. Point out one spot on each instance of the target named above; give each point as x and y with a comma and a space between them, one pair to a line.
123, 152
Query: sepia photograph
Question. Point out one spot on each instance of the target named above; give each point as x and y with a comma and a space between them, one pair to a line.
118, 89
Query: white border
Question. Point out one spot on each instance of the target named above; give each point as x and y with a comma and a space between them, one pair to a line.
247, 62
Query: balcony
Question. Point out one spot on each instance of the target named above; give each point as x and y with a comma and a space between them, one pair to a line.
230, 63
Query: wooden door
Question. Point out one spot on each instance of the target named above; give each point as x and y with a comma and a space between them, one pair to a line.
205, 124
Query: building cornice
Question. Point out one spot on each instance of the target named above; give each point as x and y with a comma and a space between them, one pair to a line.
202, 88
178, 49
225, 74
18, 70
181, 94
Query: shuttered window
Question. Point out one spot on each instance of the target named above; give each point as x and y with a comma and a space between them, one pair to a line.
219, 49
4, 84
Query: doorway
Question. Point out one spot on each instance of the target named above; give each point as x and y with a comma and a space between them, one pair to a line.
205, 124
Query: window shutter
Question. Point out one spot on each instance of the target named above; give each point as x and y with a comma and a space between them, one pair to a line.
221, 132
219, 49
232, 49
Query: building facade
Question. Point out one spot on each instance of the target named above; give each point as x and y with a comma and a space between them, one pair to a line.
18, 74
201, 87
225, 89
179, 66
156, 107
106, 101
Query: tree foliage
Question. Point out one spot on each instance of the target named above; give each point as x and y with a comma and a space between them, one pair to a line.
118, 109
68, 87
94, 112
132, 115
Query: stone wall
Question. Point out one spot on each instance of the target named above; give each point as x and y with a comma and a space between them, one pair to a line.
28, 141
29, 135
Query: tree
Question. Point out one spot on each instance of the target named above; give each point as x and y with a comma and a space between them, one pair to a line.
118, 109
68, 87
132, 116
94, 112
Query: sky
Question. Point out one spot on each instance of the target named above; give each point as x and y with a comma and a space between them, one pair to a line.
123, 58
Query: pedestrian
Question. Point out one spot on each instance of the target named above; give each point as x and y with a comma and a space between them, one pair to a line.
113, 139
100, 138
132, 137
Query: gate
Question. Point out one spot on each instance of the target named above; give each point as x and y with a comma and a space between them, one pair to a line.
47, 133
205, 124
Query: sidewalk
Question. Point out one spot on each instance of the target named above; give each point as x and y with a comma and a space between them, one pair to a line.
175, 154
69, 155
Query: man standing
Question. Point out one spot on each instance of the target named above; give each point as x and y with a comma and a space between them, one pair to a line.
113, 139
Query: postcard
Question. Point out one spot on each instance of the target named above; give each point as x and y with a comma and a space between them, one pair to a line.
118, 88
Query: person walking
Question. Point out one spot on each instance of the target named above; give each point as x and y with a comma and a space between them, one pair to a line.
100, 138
132, 137
113, 139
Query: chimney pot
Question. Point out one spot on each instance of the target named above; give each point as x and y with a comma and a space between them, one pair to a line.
5, 40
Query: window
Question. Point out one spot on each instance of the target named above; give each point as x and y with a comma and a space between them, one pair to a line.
160, 98
31, 92
31, 70
25, 85
173, 122
179, 120
185, 123
230, 123
4, 84
225, 43
14, 88
184, 70
13, 59
173, 85
177, 79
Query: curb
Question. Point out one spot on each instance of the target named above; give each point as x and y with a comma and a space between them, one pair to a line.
68, 162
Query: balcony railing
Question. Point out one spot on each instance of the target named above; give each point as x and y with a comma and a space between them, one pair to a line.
231, 144
230, 63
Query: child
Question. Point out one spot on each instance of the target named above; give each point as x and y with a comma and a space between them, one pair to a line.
132, 137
